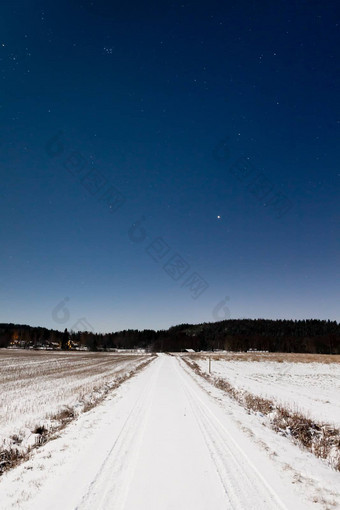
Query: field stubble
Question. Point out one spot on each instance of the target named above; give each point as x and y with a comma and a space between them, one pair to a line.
318, 436
42, 391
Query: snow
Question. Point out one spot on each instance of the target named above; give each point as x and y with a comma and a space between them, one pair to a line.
36, 386
167, 439
311, 388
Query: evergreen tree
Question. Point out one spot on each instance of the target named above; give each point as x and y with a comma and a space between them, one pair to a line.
64, 340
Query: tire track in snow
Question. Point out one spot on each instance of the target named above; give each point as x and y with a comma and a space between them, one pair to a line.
242, 483
240, 478
113, 480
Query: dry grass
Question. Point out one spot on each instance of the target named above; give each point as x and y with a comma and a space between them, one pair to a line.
11, 458
321, 439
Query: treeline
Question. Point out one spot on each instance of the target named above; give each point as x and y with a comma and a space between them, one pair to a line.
306, 336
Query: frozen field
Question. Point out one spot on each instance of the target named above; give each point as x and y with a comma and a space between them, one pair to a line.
161, 443
164, 439
306, 383
35, 386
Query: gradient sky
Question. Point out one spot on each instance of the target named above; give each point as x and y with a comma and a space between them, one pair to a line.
168, 162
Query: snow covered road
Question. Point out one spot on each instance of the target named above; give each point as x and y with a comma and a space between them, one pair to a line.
161, 443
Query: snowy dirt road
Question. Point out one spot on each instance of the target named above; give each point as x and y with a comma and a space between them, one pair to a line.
161, 443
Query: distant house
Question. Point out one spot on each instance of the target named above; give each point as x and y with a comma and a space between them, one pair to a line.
189, 350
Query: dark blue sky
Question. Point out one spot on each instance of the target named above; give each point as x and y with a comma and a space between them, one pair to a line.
158, 158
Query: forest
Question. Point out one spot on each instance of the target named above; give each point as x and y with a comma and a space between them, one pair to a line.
305, 336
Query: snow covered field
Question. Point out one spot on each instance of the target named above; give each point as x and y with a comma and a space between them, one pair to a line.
303, 383
167, 439
36, 386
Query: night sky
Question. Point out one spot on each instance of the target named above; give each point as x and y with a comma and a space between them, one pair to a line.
168, 162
